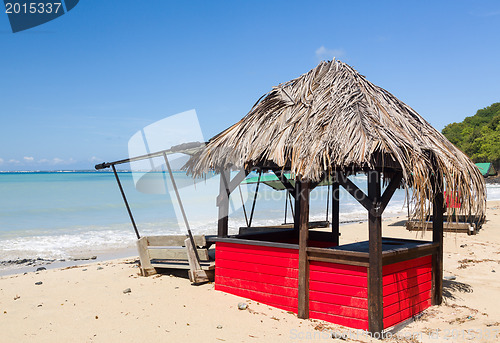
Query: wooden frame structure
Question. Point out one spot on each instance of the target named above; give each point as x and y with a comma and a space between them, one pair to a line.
177, 252
374, 259
171, 251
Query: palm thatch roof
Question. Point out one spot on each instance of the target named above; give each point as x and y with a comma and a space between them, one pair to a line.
332, 118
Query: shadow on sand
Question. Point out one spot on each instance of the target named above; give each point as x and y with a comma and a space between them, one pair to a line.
452, 287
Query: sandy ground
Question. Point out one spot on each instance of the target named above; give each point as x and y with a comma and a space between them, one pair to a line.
88, 304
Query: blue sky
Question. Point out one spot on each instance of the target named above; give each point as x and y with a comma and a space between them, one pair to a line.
74, 90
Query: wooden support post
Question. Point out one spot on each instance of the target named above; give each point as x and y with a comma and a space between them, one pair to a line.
196, 274
335, 212
223, 204
146, 267
375, 299
302, 214
296, 205
437, 237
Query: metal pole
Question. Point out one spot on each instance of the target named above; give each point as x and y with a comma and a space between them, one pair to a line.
327, 199
408, 204
126, 202
255, 198
182, 207
291, 206
243, 205
286, 205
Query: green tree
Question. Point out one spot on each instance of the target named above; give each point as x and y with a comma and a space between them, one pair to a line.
479, 135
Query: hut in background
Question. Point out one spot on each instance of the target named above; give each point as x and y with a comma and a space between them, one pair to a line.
486, 169
330, 123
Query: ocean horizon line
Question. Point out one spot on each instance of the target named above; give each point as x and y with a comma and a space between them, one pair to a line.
80, 171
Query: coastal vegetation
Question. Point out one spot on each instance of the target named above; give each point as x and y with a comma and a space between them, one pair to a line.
479, 135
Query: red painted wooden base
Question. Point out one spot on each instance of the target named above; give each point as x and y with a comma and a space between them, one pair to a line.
337, 292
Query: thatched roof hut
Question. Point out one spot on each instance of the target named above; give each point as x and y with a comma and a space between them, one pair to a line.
332, 122
331, 119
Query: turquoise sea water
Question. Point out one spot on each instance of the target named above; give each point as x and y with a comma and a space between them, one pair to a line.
60, 215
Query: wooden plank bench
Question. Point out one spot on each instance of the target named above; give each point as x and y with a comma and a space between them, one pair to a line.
175, 251
470, 229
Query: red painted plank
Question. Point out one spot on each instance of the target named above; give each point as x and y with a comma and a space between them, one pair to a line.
396, 267
282, 302
346, 300
359, 292
407, 283
257, 286
406, 314
406, 304
257, 259
406, 274
403, 304
337, 268
407, 293
346, 321
271, 279
341, 279
256, 268
339, 310
257, 250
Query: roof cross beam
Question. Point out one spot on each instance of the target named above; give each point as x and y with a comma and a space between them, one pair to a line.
286, 183
373, 206
316, 183
230, 185
389, 191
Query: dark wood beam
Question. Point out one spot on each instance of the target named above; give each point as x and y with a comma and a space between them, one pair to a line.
231, 184
389, 192
338, 256
375, 299
437, 237
315, 184
336, 212
238, 178
297, 204
303, 220
352, 189
223, 204
284, 181
390, 257
374, 206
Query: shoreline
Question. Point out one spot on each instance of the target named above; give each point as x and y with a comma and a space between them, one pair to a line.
31, 265
26, 265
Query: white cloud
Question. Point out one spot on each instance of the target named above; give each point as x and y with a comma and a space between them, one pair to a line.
56, 160
95, 159
1, 160
28, 158
323, 53
13, 161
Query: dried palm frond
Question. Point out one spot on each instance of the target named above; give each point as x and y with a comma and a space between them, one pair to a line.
332, 118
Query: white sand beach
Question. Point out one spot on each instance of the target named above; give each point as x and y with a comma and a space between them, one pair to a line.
87, 303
